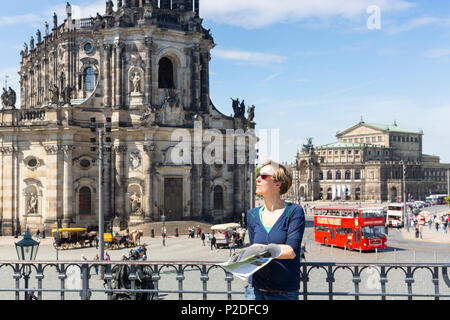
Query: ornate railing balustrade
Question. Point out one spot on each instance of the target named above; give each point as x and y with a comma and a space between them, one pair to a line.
204, 281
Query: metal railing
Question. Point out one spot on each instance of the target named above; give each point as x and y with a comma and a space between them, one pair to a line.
203, 281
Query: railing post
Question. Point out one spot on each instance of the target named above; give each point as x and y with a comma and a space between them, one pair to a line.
40, 277
62, 277
383, 281
155, 278
229, 278
356, 280
304, 279
330, 280
108, 279
409, 281
17, 275
85, 292
436, 282
204, 278
133, 278
180, 279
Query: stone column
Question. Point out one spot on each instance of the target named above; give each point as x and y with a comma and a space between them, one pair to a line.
68, 214
205, 57
51, 163
196, 81
148, 72
9, 223
107, 74
148, 178
118, 70
119, 188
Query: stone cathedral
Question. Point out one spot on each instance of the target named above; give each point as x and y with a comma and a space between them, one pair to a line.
141, 68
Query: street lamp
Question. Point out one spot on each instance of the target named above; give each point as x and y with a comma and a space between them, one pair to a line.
27, 250
163, 231
101, 177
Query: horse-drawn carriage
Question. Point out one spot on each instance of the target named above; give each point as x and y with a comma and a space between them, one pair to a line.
117, 242
121, 280
67, 238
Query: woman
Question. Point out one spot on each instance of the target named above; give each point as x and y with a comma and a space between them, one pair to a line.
279, 223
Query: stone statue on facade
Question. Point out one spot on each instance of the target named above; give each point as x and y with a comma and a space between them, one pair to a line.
9, 98
309, 146
66, 95
109, 8
31, 43
135, 204
55, 94
235, 106
38, 36
32, 205
136, 83
251, 113
46, 29
55, 21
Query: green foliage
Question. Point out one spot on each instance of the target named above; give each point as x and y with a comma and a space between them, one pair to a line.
448, 200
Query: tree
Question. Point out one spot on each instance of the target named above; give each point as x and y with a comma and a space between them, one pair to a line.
448, 200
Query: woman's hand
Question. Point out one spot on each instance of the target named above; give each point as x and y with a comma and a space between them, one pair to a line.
287, 253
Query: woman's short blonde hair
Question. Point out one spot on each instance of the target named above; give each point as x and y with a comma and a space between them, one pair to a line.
281, 174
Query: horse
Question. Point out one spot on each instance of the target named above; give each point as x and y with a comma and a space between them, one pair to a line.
136, 237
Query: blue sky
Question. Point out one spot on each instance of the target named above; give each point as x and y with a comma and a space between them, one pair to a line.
311, 67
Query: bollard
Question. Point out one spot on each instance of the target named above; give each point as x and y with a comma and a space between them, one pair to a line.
153, 233
177, 234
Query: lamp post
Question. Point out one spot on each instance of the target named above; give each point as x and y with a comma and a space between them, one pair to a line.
163, 219
101, 177
27, 250
404, 197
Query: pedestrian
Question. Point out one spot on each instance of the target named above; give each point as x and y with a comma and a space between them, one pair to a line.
96, 258
96, 241
107, 257
445, 224
208, 238
420, 231
213, 242
38, 234
430, 222
280, 223
29, 295
203, 239
233, 245
303, 251
436, 222
83, 258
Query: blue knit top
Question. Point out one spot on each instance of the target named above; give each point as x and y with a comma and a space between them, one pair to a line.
282, 275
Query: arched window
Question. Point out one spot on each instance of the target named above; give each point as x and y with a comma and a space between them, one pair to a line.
329, 194
321, 175
358, 174
85, 208
338, 175
348, 175
329, 175
166, 74
218, 198
89, 79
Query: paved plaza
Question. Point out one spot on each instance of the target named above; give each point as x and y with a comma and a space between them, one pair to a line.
403, 247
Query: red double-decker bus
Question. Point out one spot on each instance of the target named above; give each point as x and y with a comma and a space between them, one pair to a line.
352, 228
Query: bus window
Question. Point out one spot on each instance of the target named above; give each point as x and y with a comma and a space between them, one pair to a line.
373, 232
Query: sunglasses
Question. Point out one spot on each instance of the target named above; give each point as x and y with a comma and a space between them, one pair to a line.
263, 176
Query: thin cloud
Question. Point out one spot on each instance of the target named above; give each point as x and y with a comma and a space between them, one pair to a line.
252, 14
20, 19
417, 23
438, 53
248, 57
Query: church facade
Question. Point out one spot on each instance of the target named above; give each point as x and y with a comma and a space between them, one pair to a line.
141, 70
367, 163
